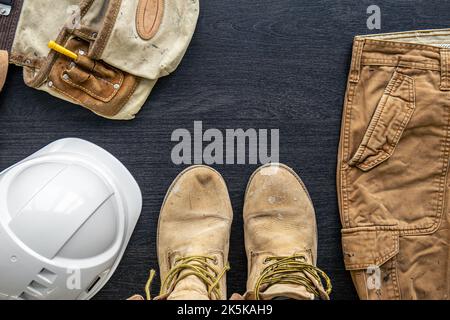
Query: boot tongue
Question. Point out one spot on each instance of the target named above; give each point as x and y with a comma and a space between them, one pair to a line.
294, 291
287, 291
190, 288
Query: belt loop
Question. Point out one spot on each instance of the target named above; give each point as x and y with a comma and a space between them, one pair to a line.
355, 70
445, 69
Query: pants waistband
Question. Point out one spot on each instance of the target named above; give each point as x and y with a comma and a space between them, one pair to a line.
425, 49
8, 25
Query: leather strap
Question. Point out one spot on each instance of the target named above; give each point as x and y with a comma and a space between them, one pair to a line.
8, 25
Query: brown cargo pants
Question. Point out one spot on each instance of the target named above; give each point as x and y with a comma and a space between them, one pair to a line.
393, 183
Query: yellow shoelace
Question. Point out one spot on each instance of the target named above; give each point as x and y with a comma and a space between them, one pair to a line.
200, 266
291, 270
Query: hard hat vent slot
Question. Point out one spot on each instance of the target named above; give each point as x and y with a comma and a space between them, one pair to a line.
26, 296
47, 276
37, 288
93, 284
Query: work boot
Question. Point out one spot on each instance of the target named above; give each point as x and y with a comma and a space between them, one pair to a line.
281, 238
3, 67
193, 236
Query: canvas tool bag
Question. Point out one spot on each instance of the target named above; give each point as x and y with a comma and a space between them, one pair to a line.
113, 50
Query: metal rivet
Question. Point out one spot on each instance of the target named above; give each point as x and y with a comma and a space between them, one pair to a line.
81, 52
117, 86
50, 83
65, 76
13, 259
72, 64
94, 35
28, 61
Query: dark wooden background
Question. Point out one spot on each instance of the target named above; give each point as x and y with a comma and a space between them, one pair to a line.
252, 64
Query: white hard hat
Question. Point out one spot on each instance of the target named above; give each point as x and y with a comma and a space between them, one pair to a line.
66, 215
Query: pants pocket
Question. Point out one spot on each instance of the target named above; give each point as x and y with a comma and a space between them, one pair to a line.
371, 256
386, 127
394, 151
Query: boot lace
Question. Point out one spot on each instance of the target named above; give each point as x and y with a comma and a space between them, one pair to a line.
200, 266
292, 270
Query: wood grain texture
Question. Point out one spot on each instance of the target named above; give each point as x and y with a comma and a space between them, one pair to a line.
252, 64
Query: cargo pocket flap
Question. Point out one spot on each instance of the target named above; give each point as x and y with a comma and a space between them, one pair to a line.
363, 249
386, 127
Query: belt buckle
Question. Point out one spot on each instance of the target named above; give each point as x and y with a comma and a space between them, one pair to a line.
5, 7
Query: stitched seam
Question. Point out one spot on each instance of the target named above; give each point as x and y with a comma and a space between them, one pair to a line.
394, 279
345, 152
138, 19
90, 92
402, 44
381, 258
129, 95
445, 165
443, 69
105, 33
86, 5
394, 62
68, 95
409, 34
110, 25
356, 62
415, 230
90, 108
81, 34
444, 66
69, 81
413, 32
346, 141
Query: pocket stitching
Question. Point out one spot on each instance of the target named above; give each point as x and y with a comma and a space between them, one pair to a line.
386, 95
399, 131
94, 95
380, 260
394, 84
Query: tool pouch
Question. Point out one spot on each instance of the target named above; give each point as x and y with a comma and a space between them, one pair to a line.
91, 83
122, 48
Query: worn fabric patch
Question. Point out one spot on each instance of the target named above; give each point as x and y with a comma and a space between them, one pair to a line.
148, 17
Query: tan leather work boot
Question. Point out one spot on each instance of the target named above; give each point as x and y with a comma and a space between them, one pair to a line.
3, 68
193, 236
281, 237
